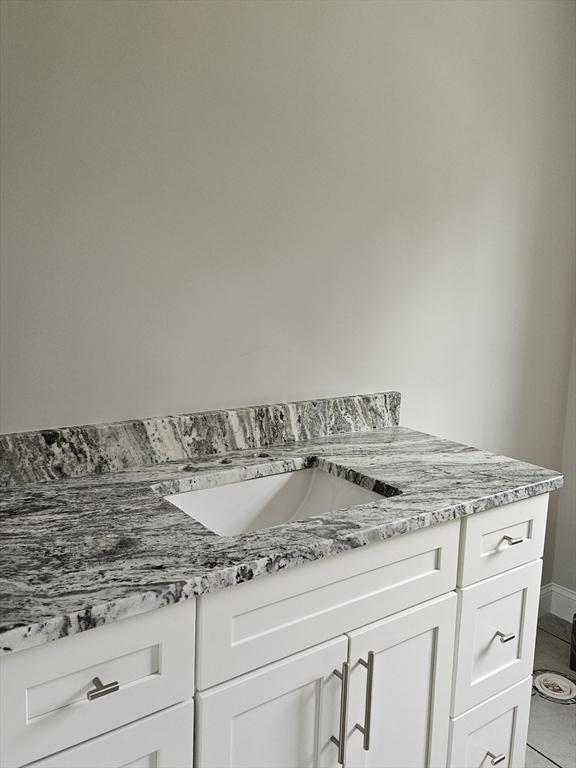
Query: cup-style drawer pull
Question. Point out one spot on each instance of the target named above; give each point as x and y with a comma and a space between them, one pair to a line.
505, 638
512, 540
102, 690
341, 740
365, 729
495, 759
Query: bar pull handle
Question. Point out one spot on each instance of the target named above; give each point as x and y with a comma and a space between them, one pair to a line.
100, 689
495, 759
365, 729
341, 740
512, 540
505, 638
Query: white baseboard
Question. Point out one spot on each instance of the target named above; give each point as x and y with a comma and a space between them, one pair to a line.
557, 600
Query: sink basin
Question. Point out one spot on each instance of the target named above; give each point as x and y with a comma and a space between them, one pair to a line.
262, 502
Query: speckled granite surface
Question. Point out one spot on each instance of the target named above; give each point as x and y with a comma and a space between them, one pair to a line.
80, 552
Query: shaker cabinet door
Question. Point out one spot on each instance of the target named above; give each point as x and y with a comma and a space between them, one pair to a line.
400, 674
280, 716
163, 740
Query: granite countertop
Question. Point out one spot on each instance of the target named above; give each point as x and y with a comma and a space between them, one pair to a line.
80, 552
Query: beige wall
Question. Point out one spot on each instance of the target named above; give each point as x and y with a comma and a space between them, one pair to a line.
564, 559
213, 204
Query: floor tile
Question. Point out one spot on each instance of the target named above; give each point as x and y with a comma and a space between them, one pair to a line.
555, 626
552, 730
552, 653
536, 760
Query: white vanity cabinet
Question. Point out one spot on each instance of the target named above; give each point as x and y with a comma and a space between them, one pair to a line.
302, 711
409, 653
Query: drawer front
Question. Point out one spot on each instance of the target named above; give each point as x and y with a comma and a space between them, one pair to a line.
494, 733
501, 539
163, 740
497, 632
150, 656
258, 622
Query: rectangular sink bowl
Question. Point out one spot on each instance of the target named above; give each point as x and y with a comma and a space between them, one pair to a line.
262, 502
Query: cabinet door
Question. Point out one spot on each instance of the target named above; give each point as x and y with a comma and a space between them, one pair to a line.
280, 716
163, 740
408, 660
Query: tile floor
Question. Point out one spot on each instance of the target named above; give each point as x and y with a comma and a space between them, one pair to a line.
552, 729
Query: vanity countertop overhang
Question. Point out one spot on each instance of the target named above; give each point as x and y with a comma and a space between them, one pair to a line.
80, 552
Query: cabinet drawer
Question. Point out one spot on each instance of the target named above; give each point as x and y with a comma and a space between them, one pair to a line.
151, 656
163, 740
493, 733
502, 538
254, 623
497, 632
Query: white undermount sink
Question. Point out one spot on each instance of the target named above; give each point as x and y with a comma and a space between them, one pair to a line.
262, 502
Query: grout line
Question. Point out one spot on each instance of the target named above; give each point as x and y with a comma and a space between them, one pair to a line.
545, 756
553, 635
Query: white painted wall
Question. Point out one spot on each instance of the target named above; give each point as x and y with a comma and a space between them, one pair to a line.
564, 572
214, 204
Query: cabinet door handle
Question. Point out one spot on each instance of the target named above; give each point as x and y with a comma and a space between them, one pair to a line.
365, 729
512, 540
341, 740
504, 638
102, 690
495, 759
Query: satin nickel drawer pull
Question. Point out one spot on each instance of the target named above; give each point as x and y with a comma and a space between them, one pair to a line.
495, 759
504, 638
341, 740
100, 689
513, 540
365, 729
